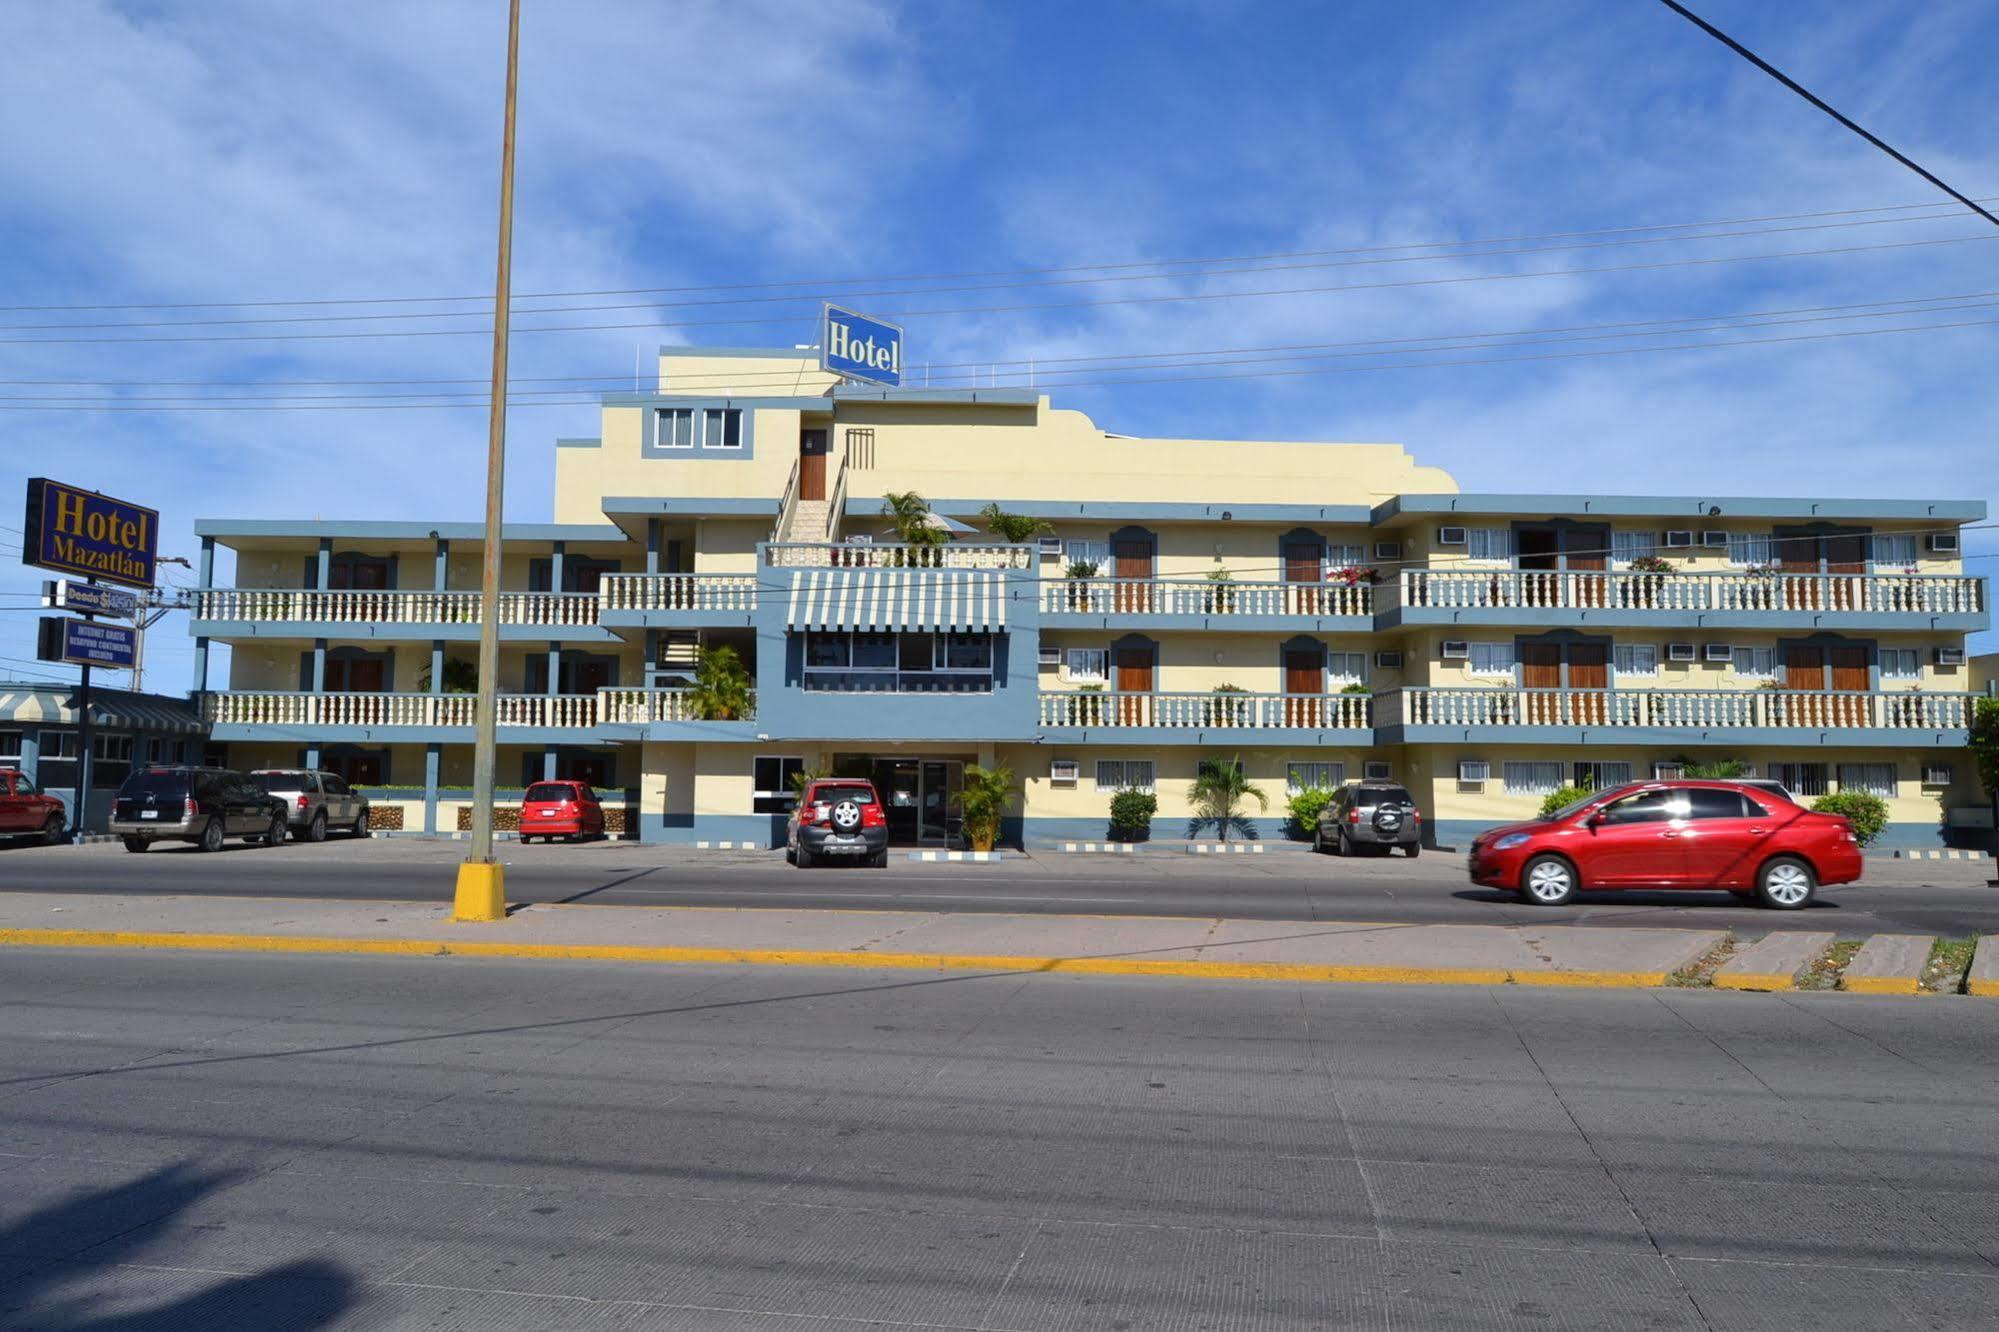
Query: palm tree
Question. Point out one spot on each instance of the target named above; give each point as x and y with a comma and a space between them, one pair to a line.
909, 514
1219, 790
723, 690
1720, 770
982, 803
461, 676
1012, 527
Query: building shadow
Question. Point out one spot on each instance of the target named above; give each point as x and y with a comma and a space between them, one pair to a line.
68, 1264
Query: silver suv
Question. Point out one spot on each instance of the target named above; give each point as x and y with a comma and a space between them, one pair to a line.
1368, 819
315, 801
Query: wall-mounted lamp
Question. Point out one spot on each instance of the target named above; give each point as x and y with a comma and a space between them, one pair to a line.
1714, 511
1227, 516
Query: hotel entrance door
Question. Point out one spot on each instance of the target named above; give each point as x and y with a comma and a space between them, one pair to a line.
919, 796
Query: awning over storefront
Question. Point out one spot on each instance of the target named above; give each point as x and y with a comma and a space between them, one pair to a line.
886, 600
112, 709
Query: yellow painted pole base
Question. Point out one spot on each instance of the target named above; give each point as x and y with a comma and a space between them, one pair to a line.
482, 892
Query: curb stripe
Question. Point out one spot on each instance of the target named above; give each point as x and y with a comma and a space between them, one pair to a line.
1754, 980
1880, 984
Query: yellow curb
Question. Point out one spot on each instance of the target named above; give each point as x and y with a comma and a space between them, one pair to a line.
1095, 966
1755, 980
1880, 984
1987, 988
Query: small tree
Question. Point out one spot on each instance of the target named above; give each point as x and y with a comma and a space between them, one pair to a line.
1720, 770
1984, 745
1013, 527
460, 677
909, 514
982, 803
723, 690
1131, 813
1562, 797
1308, 805
1867, 812
803, 779
1219, 791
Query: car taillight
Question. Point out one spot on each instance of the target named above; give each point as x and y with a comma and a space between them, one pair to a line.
822, 813
193, 806
1353, 816
871, 816
1416, 815
301, 804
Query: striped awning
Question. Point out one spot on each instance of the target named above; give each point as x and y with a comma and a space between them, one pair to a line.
885, 600
113, 709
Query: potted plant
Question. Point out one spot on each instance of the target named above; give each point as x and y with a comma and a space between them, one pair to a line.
909, 514
723, 689
1086, 706
1220, 598
1226, 708
1645, 580
982, 803
1080, 572
1219, 793
1131, 814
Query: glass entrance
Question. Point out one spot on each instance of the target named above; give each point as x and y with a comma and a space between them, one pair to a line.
918, 795
938, 820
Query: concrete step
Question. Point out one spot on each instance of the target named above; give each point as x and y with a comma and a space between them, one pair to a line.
1772, 962
1888, 964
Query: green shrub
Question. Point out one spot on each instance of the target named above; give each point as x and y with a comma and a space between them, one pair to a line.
1131, 812
1566, 795
1307, 805
1867, 813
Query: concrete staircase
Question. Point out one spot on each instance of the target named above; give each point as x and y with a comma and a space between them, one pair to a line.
810, 520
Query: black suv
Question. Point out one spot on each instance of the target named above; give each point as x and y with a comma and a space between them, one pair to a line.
206, 806
1368, 819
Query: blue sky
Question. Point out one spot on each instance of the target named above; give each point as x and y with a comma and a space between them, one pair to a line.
246, 150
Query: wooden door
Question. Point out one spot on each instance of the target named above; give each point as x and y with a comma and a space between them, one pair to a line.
1804, 676
812, 464
1540, 551
1541, 669
1845, 568
1850, 685
1301, 569
1586, 552
1132, 560
1304, 689
1134, 681
1799, 555
1589, 677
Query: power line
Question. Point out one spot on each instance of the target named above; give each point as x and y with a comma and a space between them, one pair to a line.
1822, 105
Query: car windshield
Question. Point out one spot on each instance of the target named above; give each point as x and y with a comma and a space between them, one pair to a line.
268, 782
833, 795
554, 791
172, 785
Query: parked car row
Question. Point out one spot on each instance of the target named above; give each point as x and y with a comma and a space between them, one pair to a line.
208, 806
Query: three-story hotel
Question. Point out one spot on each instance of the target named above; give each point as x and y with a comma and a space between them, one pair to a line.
1320, 612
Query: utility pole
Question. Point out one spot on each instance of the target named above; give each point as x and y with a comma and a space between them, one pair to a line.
481, 892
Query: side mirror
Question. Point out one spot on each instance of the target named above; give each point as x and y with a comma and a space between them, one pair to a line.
1596, 819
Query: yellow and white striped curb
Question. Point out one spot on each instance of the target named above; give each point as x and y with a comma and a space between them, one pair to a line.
1106, 848
1225, 848
1952, 853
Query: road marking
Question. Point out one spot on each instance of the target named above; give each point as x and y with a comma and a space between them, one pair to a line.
728, 893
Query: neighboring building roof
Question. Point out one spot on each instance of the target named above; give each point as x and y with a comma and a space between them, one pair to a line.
225, 528
113, 709
1680, 506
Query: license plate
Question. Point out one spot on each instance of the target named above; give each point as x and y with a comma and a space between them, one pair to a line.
548, 813
149, 813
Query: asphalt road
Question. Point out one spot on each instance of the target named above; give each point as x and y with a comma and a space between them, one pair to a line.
1925, 897
222, 1140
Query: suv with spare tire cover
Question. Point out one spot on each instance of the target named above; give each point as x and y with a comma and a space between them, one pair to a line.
837, 818
1369, 819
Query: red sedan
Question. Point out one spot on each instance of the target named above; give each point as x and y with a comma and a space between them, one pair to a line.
1723, 835
560, 809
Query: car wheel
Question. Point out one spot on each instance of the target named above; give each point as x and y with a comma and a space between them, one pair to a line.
1341, 847
802, 858
1548, 881
136, 844
275, 834
316, 830
52, 830
361, 822
1413, 850
1785, 884
212, 836
879, 860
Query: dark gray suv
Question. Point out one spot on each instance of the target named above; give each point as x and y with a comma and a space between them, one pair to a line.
1368, 819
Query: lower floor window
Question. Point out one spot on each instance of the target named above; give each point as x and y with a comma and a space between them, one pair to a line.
1601, 776
597, 770
1377, 770
1304, 776
771, 778
1801, 779
1532, 778
1873, 778
1124, 774
366, 767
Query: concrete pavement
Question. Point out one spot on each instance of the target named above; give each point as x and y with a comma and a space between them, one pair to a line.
320, 1142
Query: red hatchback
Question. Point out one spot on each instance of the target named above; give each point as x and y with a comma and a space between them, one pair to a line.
1745, 840
560, 809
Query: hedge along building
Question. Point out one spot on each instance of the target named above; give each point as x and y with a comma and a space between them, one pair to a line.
1321, 612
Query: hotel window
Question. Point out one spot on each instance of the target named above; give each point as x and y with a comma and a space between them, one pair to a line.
1086, 665
10, 749
1304, 776
1894, 551
1756, 663
722, 428
1874, 778
1088, 552
1601, 776
1901, 664
771, 778
1492, 659
839, 661
1531, 778
676, 428
1800, 779
1345, 668
1124, 774
1628, 546
1637, 658
58, 745
1345, 557
1493, 545
1747, 548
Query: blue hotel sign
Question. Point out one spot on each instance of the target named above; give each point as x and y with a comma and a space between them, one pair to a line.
861, 348
85, 643
81, 532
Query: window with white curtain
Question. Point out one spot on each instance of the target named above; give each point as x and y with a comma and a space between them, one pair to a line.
1124, 774
1637, 658
1490, 544
1088, 552
1628, 546
1303, 776
1345, 668
1901, 664
722, 428
1756, 663
1800, 779
1601, 776
1873, 778
1746, 548
676, 428
1345, 557
1492, 659
1895, 550
1531, 778
1086, 665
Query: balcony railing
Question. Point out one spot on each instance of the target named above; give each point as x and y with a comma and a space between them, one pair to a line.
1201, 596
292, 709
1783, 709
1244, 711
1522, 589
272, 605
640, 707
885, 555
678, 592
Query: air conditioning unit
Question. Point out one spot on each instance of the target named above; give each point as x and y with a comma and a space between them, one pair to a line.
1718, 654
1063, 772
1943, 543
1680, 652
1714, 538
1456, 649
1950, 656
1668, 772
1051, 548
1451, 536
1388, 659
860, 539
1937, 774
1048, 656
1376, 770
1679, 538
1388, 550
1474, 772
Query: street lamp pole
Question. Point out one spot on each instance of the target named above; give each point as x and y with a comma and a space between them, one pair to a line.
481, 892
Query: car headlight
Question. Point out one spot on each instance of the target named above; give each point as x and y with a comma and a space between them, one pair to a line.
1511, 840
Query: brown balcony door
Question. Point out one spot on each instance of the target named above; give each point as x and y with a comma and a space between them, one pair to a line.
1804, 675
1844, 554
1800, 555
1849, 686
1585, 552
1304, 687
812, 464
1589, 676
1301, 566
1134, 677
1133, 559
1541, 668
